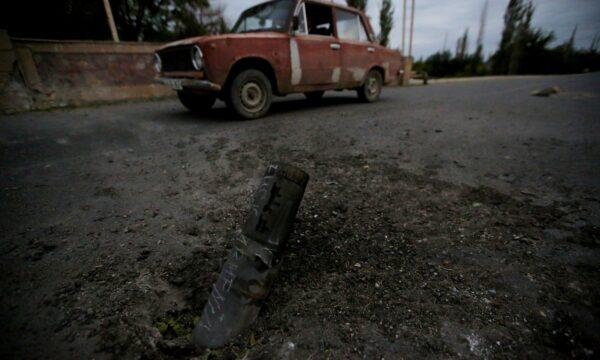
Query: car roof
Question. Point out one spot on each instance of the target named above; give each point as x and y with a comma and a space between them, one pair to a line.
336, 4
322, 2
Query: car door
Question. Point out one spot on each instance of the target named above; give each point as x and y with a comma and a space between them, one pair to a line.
358, 53
314, 49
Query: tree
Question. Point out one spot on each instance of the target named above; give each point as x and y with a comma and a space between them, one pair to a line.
522, 47
462, 45
517, 49
522, 50
136, 20
57, 19
482, 22
571, 42
386, 21
513, 14
359, 4
160, 20
595, 43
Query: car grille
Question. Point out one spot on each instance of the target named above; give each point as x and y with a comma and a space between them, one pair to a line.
177, 59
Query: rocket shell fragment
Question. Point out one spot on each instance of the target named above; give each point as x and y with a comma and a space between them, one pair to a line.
251, 266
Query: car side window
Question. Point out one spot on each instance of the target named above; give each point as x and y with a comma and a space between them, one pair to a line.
350, 26
302, 27
319, 19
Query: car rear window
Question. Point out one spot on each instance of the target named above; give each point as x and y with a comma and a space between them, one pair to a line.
350, 26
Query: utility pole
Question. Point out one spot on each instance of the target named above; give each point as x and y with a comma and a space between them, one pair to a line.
412, 26
111, 21
403, 27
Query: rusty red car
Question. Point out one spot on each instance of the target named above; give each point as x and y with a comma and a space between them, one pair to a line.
277, 48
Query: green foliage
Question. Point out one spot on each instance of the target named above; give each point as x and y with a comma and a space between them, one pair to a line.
57, 19
359, 4
176, 325
462, 45
482, 24
522, 50
522, 47
149, 20
444, 64
160, 20
513, 14
386, 21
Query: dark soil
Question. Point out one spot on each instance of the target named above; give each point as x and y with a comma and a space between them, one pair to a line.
382, 264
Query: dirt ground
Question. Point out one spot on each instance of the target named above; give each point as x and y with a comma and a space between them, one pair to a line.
111, 241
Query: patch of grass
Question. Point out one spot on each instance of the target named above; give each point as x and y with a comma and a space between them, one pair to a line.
176, 325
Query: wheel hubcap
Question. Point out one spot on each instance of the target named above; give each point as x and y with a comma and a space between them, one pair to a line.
373, 86
253, 96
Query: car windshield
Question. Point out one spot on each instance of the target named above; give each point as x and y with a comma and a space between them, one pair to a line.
271, 16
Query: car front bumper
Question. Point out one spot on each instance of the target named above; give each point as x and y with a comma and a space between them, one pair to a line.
189, 84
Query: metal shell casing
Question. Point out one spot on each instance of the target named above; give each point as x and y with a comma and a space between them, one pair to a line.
251, 266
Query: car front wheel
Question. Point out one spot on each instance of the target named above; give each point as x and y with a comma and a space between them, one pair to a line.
195, 102
371, 89
250, 94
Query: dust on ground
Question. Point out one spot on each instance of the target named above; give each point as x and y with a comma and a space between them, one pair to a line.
383, 263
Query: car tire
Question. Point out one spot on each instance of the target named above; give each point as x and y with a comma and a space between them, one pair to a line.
250, 94
371, 90
195, 102
314, 95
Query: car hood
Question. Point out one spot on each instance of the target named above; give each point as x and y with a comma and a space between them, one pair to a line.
201, 40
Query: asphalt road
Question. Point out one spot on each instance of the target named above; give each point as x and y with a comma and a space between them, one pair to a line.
486, 133
452, 220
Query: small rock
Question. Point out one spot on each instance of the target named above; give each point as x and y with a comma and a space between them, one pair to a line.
527, 192
144, 255
546, 92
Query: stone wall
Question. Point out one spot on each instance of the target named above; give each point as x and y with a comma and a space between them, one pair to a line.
41, 74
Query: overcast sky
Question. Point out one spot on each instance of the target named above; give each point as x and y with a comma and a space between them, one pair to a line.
436, 18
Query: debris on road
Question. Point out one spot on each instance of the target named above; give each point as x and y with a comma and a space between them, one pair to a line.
251, 266
546, 92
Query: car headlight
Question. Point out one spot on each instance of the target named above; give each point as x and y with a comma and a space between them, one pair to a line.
197, 58
157, 63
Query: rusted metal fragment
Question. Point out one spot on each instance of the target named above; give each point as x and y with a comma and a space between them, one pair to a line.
251, 266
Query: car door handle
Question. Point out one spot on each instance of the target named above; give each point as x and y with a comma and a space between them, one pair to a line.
335, 46
371, 50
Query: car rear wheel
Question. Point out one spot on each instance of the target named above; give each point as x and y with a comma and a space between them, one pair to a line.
314, 95
250, 94
195, 102
371, 89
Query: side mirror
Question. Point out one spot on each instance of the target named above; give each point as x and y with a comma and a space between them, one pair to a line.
295, 23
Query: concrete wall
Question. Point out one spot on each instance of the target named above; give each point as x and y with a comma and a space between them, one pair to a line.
41, 74
44, 74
